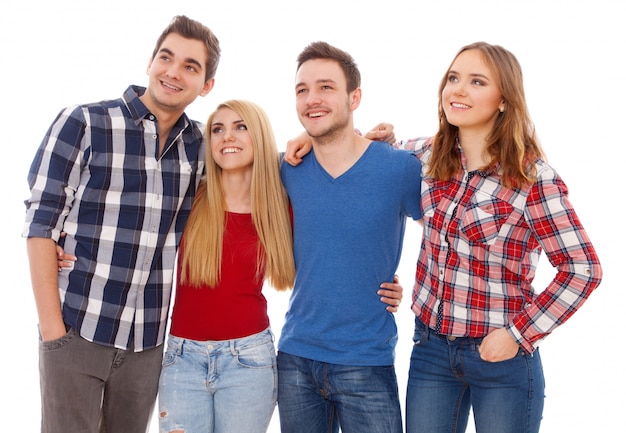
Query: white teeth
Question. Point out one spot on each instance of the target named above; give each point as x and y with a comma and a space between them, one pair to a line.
315, 114
457, 105
170, 86
231, 150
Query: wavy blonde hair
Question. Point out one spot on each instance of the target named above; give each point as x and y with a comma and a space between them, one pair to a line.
512, 144
204, 232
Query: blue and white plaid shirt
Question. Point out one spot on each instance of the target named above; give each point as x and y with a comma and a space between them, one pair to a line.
98, 177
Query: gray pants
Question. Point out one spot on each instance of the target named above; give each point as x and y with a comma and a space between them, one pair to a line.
90, 388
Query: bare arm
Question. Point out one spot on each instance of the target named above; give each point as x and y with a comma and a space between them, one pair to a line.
44, 268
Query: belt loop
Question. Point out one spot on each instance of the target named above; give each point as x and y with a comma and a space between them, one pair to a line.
179, 347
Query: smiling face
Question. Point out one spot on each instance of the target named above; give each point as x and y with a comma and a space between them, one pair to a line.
323, 103
231, 144
177, 75
471, 98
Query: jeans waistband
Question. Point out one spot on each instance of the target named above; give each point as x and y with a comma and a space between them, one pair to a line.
184, 344
429, 332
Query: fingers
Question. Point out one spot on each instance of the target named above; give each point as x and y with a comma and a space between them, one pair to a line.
382, 132
293, 159
64, 260
391, 294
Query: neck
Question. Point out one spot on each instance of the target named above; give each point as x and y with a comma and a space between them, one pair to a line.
237, 190
166, 118
336, 156
474, 144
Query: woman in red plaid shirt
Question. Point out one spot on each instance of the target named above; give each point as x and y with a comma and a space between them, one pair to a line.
491, 205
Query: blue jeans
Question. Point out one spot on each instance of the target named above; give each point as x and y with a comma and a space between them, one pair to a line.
447, 377
317, 397
218, 386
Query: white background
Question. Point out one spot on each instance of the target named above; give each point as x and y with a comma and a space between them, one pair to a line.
57, 53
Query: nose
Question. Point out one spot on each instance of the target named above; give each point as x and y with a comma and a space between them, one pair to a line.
228, 135
173, 71
459, 89
313, 98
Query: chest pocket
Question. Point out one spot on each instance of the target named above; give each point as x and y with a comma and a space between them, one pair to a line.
484, 217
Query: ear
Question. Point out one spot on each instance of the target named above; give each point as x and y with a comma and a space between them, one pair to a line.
502, 106
355, 99
149, 66
208, 86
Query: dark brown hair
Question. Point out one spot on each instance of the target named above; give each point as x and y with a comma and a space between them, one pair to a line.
323, 50
191, 29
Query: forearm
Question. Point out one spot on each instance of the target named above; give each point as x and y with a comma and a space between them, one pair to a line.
44, 279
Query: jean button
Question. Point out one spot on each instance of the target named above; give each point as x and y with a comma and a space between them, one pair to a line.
451, 337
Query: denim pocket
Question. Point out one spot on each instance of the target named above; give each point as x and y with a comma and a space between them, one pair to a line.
419, 335
169, 358
260, 356
171, 353
58, 343
521, 354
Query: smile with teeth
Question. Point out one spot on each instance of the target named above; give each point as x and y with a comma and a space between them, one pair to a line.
169, 86
459, 105
316, 114
230, 150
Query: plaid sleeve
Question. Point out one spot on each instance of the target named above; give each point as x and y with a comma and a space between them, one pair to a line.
557, 228
54, 175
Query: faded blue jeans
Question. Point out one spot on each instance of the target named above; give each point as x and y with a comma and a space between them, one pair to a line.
318, 397
218, 386
447, 377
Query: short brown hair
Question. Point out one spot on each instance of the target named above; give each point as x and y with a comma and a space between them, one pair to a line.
323, 50
191, 29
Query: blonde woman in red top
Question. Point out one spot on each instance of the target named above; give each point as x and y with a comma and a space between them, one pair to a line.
219, 368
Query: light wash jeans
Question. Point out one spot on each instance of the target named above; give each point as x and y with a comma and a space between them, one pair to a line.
218, 386
447, 377
318, 397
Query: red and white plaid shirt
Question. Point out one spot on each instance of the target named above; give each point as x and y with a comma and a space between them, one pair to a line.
480, 248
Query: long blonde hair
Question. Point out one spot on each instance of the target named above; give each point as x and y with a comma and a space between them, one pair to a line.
204, 232
512, 143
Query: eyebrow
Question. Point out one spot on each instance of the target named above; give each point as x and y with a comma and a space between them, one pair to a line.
187, 60
236, 122
452, 71
320, 81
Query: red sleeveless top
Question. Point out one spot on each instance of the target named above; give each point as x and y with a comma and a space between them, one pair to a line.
236, 307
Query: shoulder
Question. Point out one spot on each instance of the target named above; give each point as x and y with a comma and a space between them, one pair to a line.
545, 173
383, 149
544, 170
548, 182
399, 157
198, 129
